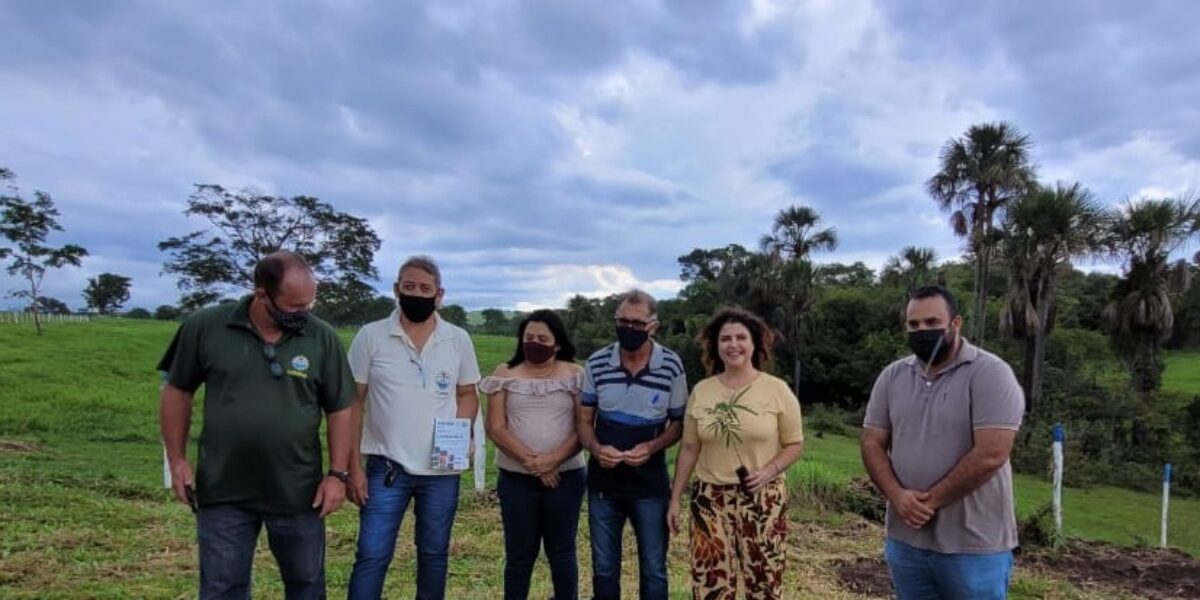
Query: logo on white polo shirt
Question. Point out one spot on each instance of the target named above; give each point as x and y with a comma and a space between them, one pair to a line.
442, 381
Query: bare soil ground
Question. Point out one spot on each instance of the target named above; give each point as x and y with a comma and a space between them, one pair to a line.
1090, 566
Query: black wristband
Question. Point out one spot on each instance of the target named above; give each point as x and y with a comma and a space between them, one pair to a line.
342, 476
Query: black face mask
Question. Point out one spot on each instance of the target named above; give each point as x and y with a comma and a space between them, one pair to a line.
631, 339
288, 321
417, 308
932, 346
537, 353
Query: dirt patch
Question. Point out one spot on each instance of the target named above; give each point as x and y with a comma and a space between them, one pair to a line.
867, 576
488, 497
1157, 574
1146, 573
11, 446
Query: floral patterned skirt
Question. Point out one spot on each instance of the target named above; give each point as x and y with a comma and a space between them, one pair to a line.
738, 536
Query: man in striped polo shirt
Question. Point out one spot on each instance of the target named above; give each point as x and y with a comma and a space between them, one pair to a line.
632, 405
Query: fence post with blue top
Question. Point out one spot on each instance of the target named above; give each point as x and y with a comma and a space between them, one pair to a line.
1057, 449
1166, 501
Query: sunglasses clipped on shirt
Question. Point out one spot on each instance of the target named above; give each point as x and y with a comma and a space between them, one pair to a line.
268, 351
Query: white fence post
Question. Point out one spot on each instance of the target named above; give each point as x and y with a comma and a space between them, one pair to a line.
1059, 437
1166, 501
480, 466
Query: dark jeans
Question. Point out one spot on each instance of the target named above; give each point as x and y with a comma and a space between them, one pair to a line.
436, 502
228, 535
606, 519
927, 575
535, 515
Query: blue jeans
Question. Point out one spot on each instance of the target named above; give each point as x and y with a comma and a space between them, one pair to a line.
535, 515
924, 574
228, 534
379, 519
606, 519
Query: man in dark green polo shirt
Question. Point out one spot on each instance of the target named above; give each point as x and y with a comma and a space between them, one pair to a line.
269, 371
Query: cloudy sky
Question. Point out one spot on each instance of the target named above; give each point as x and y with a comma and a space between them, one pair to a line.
540, 149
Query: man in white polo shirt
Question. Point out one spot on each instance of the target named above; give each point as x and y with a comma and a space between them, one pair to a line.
410, 369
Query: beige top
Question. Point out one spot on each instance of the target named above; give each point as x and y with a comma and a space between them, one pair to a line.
932, 425
775, 423
540, 413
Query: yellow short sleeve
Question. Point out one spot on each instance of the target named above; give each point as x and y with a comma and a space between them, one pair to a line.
791, 423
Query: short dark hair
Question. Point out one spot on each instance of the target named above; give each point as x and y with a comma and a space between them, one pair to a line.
760, 333
636, 297
269, 271
424, 263
931, 291
566, 350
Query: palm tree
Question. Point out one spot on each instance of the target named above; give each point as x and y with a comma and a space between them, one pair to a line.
787, 278
1139, 313
794, 234
981, 173
1044, 230
911, 269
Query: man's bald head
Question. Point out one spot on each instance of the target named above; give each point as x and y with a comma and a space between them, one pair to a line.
286, 279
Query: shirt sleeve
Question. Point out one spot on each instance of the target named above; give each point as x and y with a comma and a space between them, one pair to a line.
691, 429
877, 414
791, 422
587, 394
679, 397
337, 382
182, 361
360, 356
997, 401
168, 357
468, 368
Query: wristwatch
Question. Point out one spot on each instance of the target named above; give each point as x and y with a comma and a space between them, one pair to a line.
340, 475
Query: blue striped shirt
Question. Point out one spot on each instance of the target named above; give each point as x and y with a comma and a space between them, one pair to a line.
632, 408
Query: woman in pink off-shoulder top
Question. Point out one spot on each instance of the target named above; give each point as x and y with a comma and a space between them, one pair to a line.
531, 419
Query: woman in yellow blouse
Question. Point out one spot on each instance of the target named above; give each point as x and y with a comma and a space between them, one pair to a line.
738, 523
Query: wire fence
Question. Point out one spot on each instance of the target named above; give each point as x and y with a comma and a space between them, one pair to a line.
25, 318
1059, 436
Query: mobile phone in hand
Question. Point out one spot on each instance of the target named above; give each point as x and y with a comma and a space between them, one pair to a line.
190, 492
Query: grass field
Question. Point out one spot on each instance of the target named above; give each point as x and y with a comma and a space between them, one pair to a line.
1101, 513
1183, 372
85, 514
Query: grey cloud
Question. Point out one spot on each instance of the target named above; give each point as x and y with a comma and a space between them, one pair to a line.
1092, 73
830, 176
440, 120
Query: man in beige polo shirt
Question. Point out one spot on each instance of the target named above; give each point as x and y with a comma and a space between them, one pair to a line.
411, 369
936, 440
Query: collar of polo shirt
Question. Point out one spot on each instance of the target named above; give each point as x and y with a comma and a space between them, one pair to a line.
656, 355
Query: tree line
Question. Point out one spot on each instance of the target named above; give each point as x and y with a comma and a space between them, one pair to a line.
1088, 347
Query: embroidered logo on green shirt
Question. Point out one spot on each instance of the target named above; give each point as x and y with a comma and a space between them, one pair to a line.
300, 363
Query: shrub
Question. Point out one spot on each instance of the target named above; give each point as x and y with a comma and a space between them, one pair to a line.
815, 484
826, 420
167, 312
1037, 530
